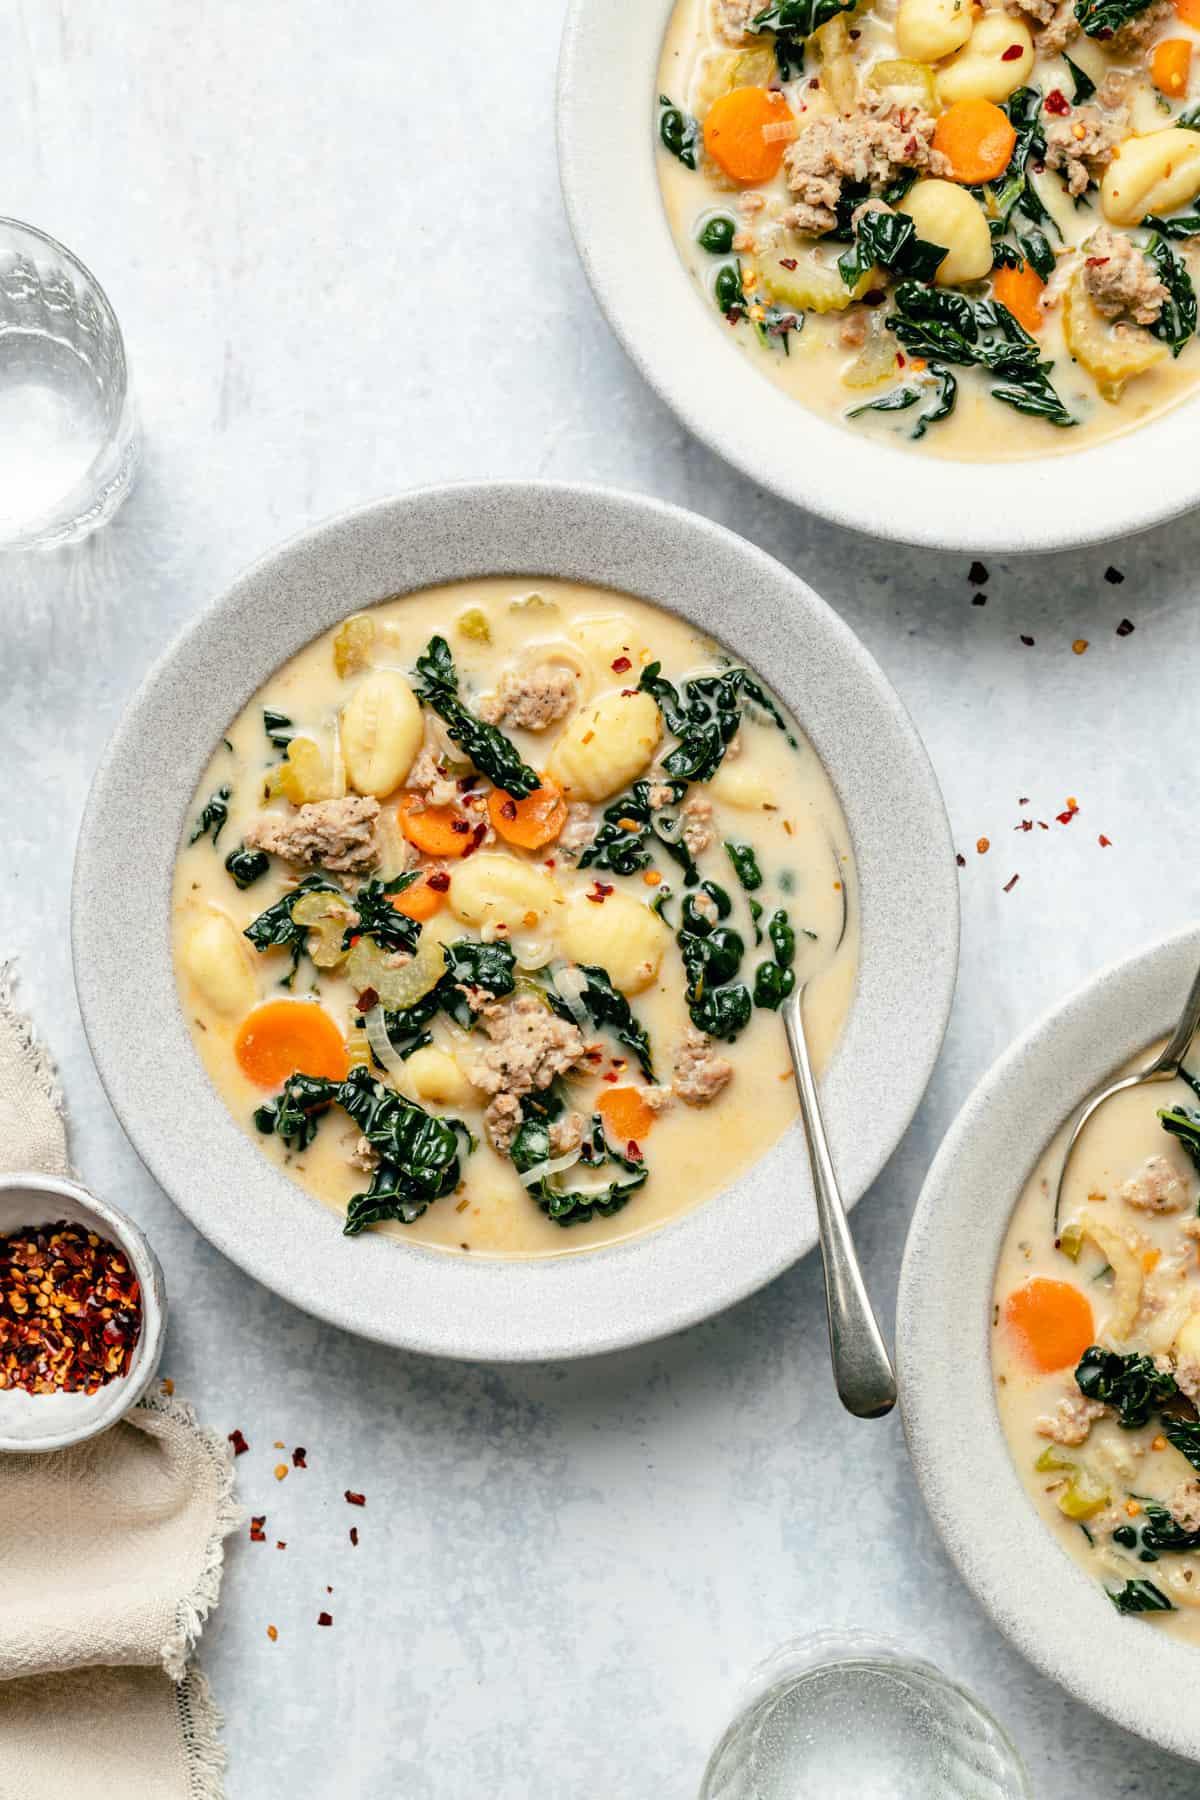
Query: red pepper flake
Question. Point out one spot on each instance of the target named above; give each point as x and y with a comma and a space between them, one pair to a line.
168, 1386
257, 1534
901, 359
477, 837
70, 1310
983, 845
273, 1634
1096, 262
621, 664
626, 694
1113, 576
1079, 646
1105, 843
299, 1457
1027, 641
960, 859
324, 1618
240, 1446
1023, 825
460, 826
329, 1590
1072, 807
1125, 627
633, 1151
280, 1544
1056, 101
977, 574
1012, 53
354, 1534
610, 1075
353, 1499
508, 808
1010, 885
1022, 799
785, 262
439, 881
598, 892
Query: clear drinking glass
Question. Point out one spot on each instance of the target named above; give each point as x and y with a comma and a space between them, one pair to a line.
851, 1717
68, 432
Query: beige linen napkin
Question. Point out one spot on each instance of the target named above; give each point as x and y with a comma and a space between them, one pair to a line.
110, 1559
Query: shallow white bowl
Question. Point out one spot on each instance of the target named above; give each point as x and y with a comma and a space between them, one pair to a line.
606, 140
39, 1422
474, 1306
1051, 1608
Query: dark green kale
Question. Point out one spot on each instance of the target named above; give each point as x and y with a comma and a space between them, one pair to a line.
711, 952
247, 866
1185, 1435
728, 292
944, 326
889, 240
745, 865
1104, 18
1183, 225
1183, 1123
212, 817
1129, 1383
1085, 87
1139, 1597
278, 727
632, 827
379, 919
418, 1153
716, 235
574, 1206
774, 981
798, 18
276, 929
679, 132
1188, 119
706, 718
902, 398
1163, 1534
1176, 323
487, 747
489, 967
898, 400
295, 1115
1016, 193
608, 1010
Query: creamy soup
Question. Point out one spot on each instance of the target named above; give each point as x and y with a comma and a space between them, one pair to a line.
950, 225
1096, 1351
486, 907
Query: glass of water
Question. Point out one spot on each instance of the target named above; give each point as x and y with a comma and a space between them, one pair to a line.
852, 1717
68, 433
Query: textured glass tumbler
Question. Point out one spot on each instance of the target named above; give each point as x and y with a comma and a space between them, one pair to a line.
851, 1717
68, 433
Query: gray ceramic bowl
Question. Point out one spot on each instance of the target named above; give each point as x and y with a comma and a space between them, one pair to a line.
37, 1422
1050, 1607
476, 1307
606, 145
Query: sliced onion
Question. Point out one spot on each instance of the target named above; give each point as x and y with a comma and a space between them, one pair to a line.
569, 984
532, 950
375, 1024
553, 1166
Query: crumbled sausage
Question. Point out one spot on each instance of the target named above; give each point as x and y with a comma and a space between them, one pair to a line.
659, 795
700, 1074
1120, 283
1082, 143
1113, 91
532, 699
1137, 32
579, 829
733, 16
337, 834
1187, 1378
852, 332
705, 907
566, 1134
1185, 1505
696, 824
428, 780
360, 1155
1158, 1187
1071, 1420
873, 145
502, 1121
529, 1047
1056, 19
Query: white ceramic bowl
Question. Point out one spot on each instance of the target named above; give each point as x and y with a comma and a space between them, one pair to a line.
38, 1422
1050, 1607
475, 1306
606, 138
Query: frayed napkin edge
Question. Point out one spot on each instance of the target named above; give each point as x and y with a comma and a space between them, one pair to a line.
42, 1064
200, 1723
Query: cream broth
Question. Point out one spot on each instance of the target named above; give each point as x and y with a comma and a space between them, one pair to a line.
1134, 1187
769, 793
843, 356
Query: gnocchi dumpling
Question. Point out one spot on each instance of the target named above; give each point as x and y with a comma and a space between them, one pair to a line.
620, 934
1154, 174
927, 30
995, 61
604, 638
437, 1077
489, 891
218, 960
382, 730
945, 213
737, 783
606, 745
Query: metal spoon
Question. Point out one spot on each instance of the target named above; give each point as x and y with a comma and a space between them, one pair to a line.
1165, 1067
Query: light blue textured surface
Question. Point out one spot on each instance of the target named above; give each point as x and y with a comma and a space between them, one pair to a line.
333, 236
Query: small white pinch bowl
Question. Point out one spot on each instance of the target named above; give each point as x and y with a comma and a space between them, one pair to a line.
40, 1422
607, 117
479, 1307
1051, 1609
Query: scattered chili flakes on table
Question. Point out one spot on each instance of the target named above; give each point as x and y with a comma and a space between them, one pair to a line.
240, 1446
299, 1455
281, 1470
983, 845
354, 1535
977, 574
1125, 627
1104, 842
1113, 576
1027, 641
1079, 646
324, 1618
1010, 885
353, 1499
272, 1633
257, 1534
70, 1310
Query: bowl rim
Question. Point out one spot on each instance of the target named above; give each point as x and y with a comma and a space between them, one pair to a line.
116, 1398
483, 1308
1055, 1614
606, 153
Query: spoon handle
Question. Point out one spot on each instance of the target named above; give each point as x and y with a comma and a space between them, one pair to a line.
1184, 1032
862, 1369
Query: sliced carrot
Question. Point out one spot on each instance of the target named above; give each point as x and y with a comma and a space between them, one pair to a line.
1188, 13
289, 1036
976, 138
420, 901
1052, 1321
1021, 291
531, 822
1171, 66
436, 830
741, 133
625, 1113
